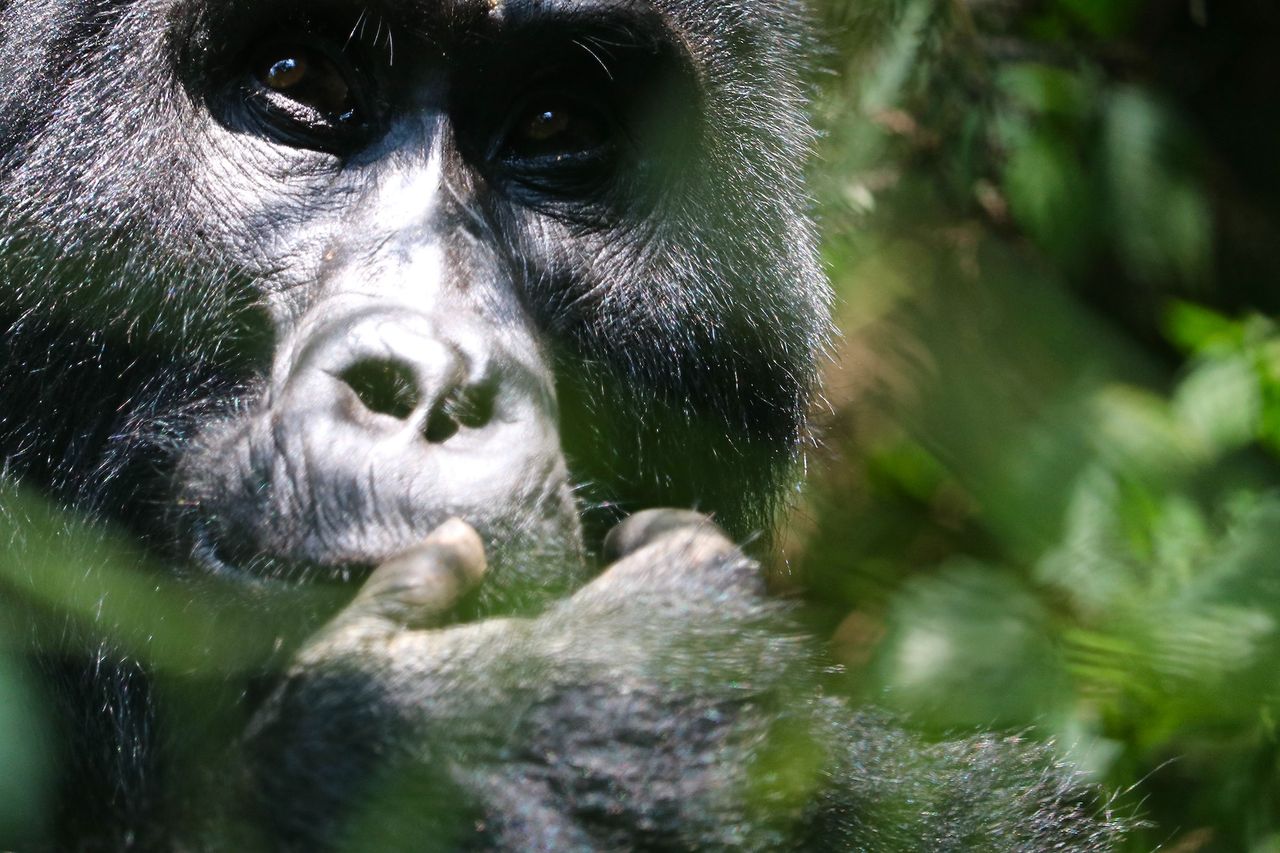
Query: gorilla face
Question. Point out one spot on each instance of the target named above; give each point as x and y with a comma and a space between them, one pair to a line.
347, 271
409, 384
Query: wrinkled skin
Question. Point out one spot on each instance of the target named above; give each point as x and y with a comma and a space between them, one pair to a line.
288, 286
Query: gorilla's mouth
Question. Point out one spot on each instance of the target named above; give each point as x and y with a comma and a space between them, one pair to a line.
530, 563
268, 532
268, 573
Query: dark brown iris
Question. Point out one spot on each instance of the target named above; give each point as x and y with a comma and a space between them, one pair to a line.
553, 130
285, 73
308, 78
544, 125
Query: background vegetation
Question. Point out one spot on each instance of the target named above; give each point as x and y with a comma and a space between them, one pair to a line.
1047, 497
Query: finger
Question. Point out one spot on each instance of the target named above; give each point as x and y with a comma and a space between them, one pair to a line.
670, 555
680, 591
645, 528
418, 588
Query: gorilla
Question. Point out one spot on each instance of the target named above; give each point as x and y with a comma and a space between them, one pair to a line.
340, 336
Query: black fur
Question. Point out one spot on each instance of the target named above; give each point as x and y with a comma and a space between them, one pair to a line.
182, 274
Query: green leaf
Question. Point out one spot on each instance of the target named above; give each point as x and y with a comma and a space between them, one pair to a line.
1136, 434
1103, 17
1048, 89
1163, 222
1221, 401
1051, 196
24, 755
970, 646
1198, 329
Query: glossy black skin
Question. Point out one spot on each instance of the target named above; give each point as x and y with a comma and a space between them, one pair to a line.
280, 350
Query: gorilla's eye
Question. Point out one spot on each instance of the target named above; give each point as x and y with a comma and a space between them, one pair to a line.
310, 80
304, 95
549, 133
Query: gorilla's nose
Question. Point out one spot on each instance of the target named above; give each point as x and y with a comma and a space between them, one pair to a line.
400, 369
395, 386
394, 370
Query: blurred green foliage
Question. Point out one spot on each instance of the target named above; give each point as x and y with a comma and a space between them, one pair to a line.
23, 752
1047, 496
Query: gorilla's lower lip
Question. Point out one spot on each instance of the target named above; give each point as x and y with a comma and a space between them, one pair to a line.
268, 572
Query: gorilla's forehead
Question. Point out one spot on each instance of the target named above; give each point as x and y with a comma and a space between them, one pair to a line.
447, 22
453, 18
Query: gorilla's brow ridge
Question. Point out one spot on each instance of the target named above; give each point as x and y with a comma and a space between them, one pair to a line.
626, 21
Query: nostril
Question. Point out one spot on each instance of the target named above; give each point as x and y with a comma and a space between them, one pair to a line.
383, 386
470, 408
440, 425
474, 407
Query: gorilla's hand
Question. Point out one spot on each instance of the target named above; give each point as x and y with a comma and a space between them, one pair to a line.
616, 715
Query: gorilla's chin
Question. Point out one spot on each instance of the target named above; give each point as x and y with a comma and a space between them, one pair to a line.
254, 517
